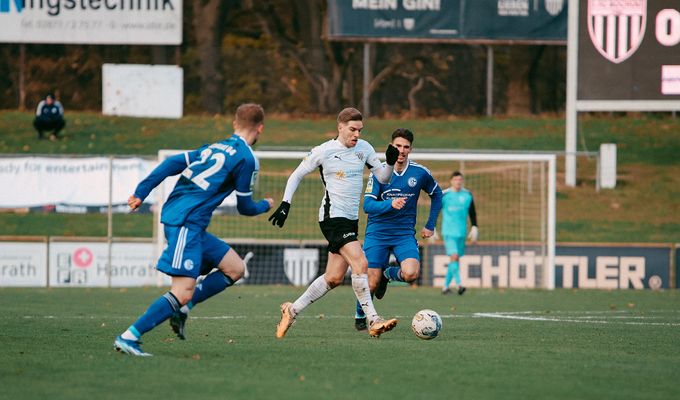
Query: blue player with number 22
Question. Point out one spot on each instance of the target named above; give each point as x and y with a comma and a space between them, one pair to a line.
208, 176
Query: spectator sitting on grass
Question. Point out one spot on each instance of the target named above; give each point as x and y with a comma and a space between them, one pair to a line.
49, 116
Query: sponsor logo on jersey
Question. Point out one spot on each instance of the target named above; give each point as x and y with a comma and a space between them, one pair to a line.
617, 27
412, 182
369, 185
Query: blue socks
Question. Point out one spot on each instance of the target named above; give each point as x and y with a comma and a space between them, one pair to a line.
393, 274
166, 305
158, 311
360, 311
453, 272
213, 284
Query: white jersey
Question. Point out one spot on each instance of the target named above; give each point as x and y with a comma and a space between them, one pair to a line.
342, 172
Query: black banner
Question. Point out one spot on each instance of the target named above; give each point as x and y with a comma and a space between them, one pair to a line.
629, 50
583, 267
489, 20
629, 267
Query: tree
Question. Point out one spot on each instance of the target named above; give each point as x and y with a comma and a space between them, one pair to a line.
207, 18
297, 27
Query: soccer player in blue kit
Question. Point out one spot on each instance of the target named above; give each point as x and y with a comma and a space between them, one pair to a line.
457, 204
391, 209
208, 175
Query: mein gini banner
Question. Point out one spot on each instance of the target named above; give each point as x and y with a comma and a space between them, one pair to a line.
154, 22
524, 20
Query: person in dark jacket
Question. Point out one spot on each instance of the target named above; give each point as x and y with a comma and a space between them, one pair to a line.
49, 116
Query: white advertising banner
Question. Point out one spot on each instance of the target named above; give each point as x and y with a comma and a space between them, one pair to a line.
152, 91
82, 264
154, 22
23, 264
74, 181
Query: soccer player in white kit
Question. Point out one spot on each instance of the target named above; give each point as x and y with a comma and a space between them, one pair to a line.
341, 162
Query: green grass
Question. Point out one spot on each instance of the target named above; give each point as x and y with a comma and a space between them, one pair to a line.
643, 207
641, 138
57, 343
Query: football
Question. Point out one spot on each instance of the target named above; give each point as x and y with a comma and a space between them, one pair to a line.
426, 324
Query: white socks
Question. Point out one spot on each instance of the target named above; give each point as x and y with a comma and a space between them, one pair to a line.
128, 335
363, 293
319, 288
314, 292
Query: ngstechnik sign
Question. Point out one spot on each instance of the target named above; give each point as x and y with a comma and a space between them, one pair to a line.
54, 7
91, 21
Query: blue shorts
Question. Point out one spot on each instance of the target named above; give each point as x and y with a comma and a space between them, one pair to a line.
454, 245
378, 250
190, 252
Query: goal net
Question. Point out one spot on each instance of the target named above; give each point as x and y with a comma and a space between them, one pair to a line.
514, 197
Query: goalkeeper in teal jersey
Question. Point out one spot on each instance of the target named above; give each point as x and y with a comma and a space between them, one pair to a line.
457, 205
391, 209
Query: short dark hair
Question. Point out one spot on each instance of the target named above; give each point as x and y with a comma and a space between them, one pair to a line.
50, 95
403, 133
456, 173
349, 114
249, 115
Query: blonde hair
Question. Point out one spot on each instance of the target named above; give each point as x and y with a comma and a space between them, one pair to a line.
249, 115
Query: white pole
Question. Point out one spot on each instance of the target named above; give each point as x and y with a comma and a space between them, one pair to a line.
552, 218
572, 83
109, 229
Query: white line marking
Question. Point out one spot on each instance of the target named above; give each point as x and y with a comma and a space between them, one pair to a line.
582, 317
514, 316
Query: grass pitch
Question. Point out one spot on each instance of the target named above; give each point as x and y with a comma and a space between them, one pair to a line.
642, 208
511, 344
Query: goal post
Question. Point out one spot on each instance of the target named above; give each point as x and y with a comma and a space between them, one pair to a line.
514, 196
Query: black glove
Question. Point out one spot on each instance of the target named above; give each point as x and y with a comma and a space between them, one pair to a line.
280, 215
391, 154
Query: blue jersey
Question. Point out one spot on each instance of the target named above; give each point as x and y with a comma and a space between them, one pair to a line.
383, 220
209, 175
455, 210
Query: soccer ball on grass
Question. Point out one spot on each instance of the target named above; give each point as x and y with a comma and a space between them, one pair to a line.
426, 324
